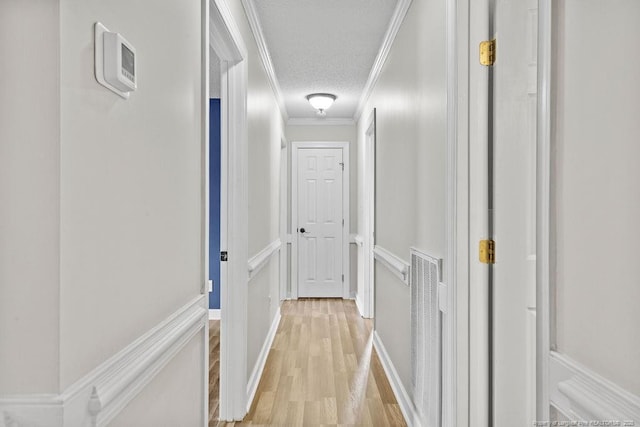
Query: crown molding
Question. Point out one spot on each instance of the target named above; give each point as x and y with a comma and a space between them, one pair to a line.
394, 26
320, 122
224, 34
256, 29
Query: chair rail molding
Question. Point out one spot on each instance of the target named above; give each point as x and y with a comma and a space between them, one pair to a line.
356, 239
581, 394
259, 260
394, 263
97, 398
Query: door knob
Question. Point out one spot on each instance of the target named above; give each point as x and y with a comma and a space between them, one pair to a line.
302, 230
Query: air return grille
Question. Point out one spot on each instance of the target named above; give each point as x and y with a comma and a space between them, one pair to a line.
426, 338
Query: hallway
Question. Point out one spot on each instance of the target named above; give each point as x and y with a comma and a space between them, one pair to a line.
322, 369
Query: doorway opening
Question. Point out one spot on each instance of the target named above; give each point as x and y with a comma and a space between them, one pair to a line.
225, 47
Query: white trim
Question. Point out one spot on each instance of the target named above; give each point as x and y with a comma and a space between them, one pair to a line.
346, 258
404, 401
321, 122
258, 261
99, 396
394, 26
207, 285
283, 214
477, 163
254, 379
543, 212
583, 395
395, 264
265, 56
366, 276
447, 290
456, 264
226, 40
356, 239
214, 314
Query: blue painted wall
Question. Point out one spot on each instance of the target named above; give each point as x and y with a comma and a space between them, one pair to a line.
214, 201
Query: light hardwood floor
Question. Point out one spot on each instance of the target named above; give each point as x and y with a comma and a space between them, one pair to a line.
322, 370
214, 371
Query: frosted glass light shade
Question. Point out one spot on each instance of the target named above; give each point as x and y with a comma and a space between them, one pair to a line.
321, 101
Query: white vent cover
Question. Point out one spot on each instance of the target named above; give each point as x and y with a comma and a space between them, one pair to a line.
426, 338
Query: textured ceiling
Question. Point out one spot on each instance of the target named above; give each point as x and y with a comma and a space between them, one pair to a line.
323, 46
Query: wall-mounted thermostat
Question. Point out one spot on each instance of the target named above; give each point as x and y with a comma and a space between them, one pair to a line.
115, 61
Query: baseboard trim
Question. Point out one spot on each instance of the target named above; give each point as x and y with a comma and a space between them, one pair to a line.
98, 397
406, 404
359, 305
214, 314
254, 379
581, 394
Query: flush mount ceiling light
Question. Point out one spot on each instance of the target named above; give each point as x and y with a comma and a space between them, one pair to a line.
321, 101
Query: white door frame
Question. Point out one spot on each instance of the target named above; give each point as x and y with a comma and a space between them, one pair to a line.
366, 296
226, 40
283, 218
478, 215
543, 211
475, 128
345, 211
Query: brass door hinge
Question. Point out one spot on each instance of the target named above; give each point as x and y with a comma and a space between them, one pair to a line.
488, 52
487, 251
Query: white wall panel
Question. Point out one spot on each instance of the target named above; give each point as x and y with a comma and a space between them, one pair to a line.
29, 196
130, 179
596, 194
410, 102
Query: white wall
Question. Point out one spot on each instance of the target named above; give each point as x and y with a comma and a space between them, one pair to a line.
29, 196
130, 180
100, 198
410, 98
596, 177
265, 132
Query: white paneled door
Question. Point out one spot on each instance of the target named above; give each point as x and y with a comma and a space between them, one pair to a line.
320, 222
513, 208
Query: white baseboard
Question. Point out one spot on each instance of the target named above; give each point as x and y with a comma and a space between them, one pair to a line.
359, 305
405, 402
254, 379
99, 396
582, 395
214, 314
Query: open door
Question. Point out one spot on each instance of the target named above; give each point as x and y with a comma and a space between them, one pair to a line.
509, 250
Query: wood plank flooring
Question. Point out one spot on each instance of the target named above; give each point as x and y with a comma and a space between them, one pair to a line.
214, 371
322, 370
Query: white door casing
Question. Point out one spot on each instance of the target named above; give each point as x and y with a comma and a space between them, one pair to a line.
227, 43
320, 219
366, 288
